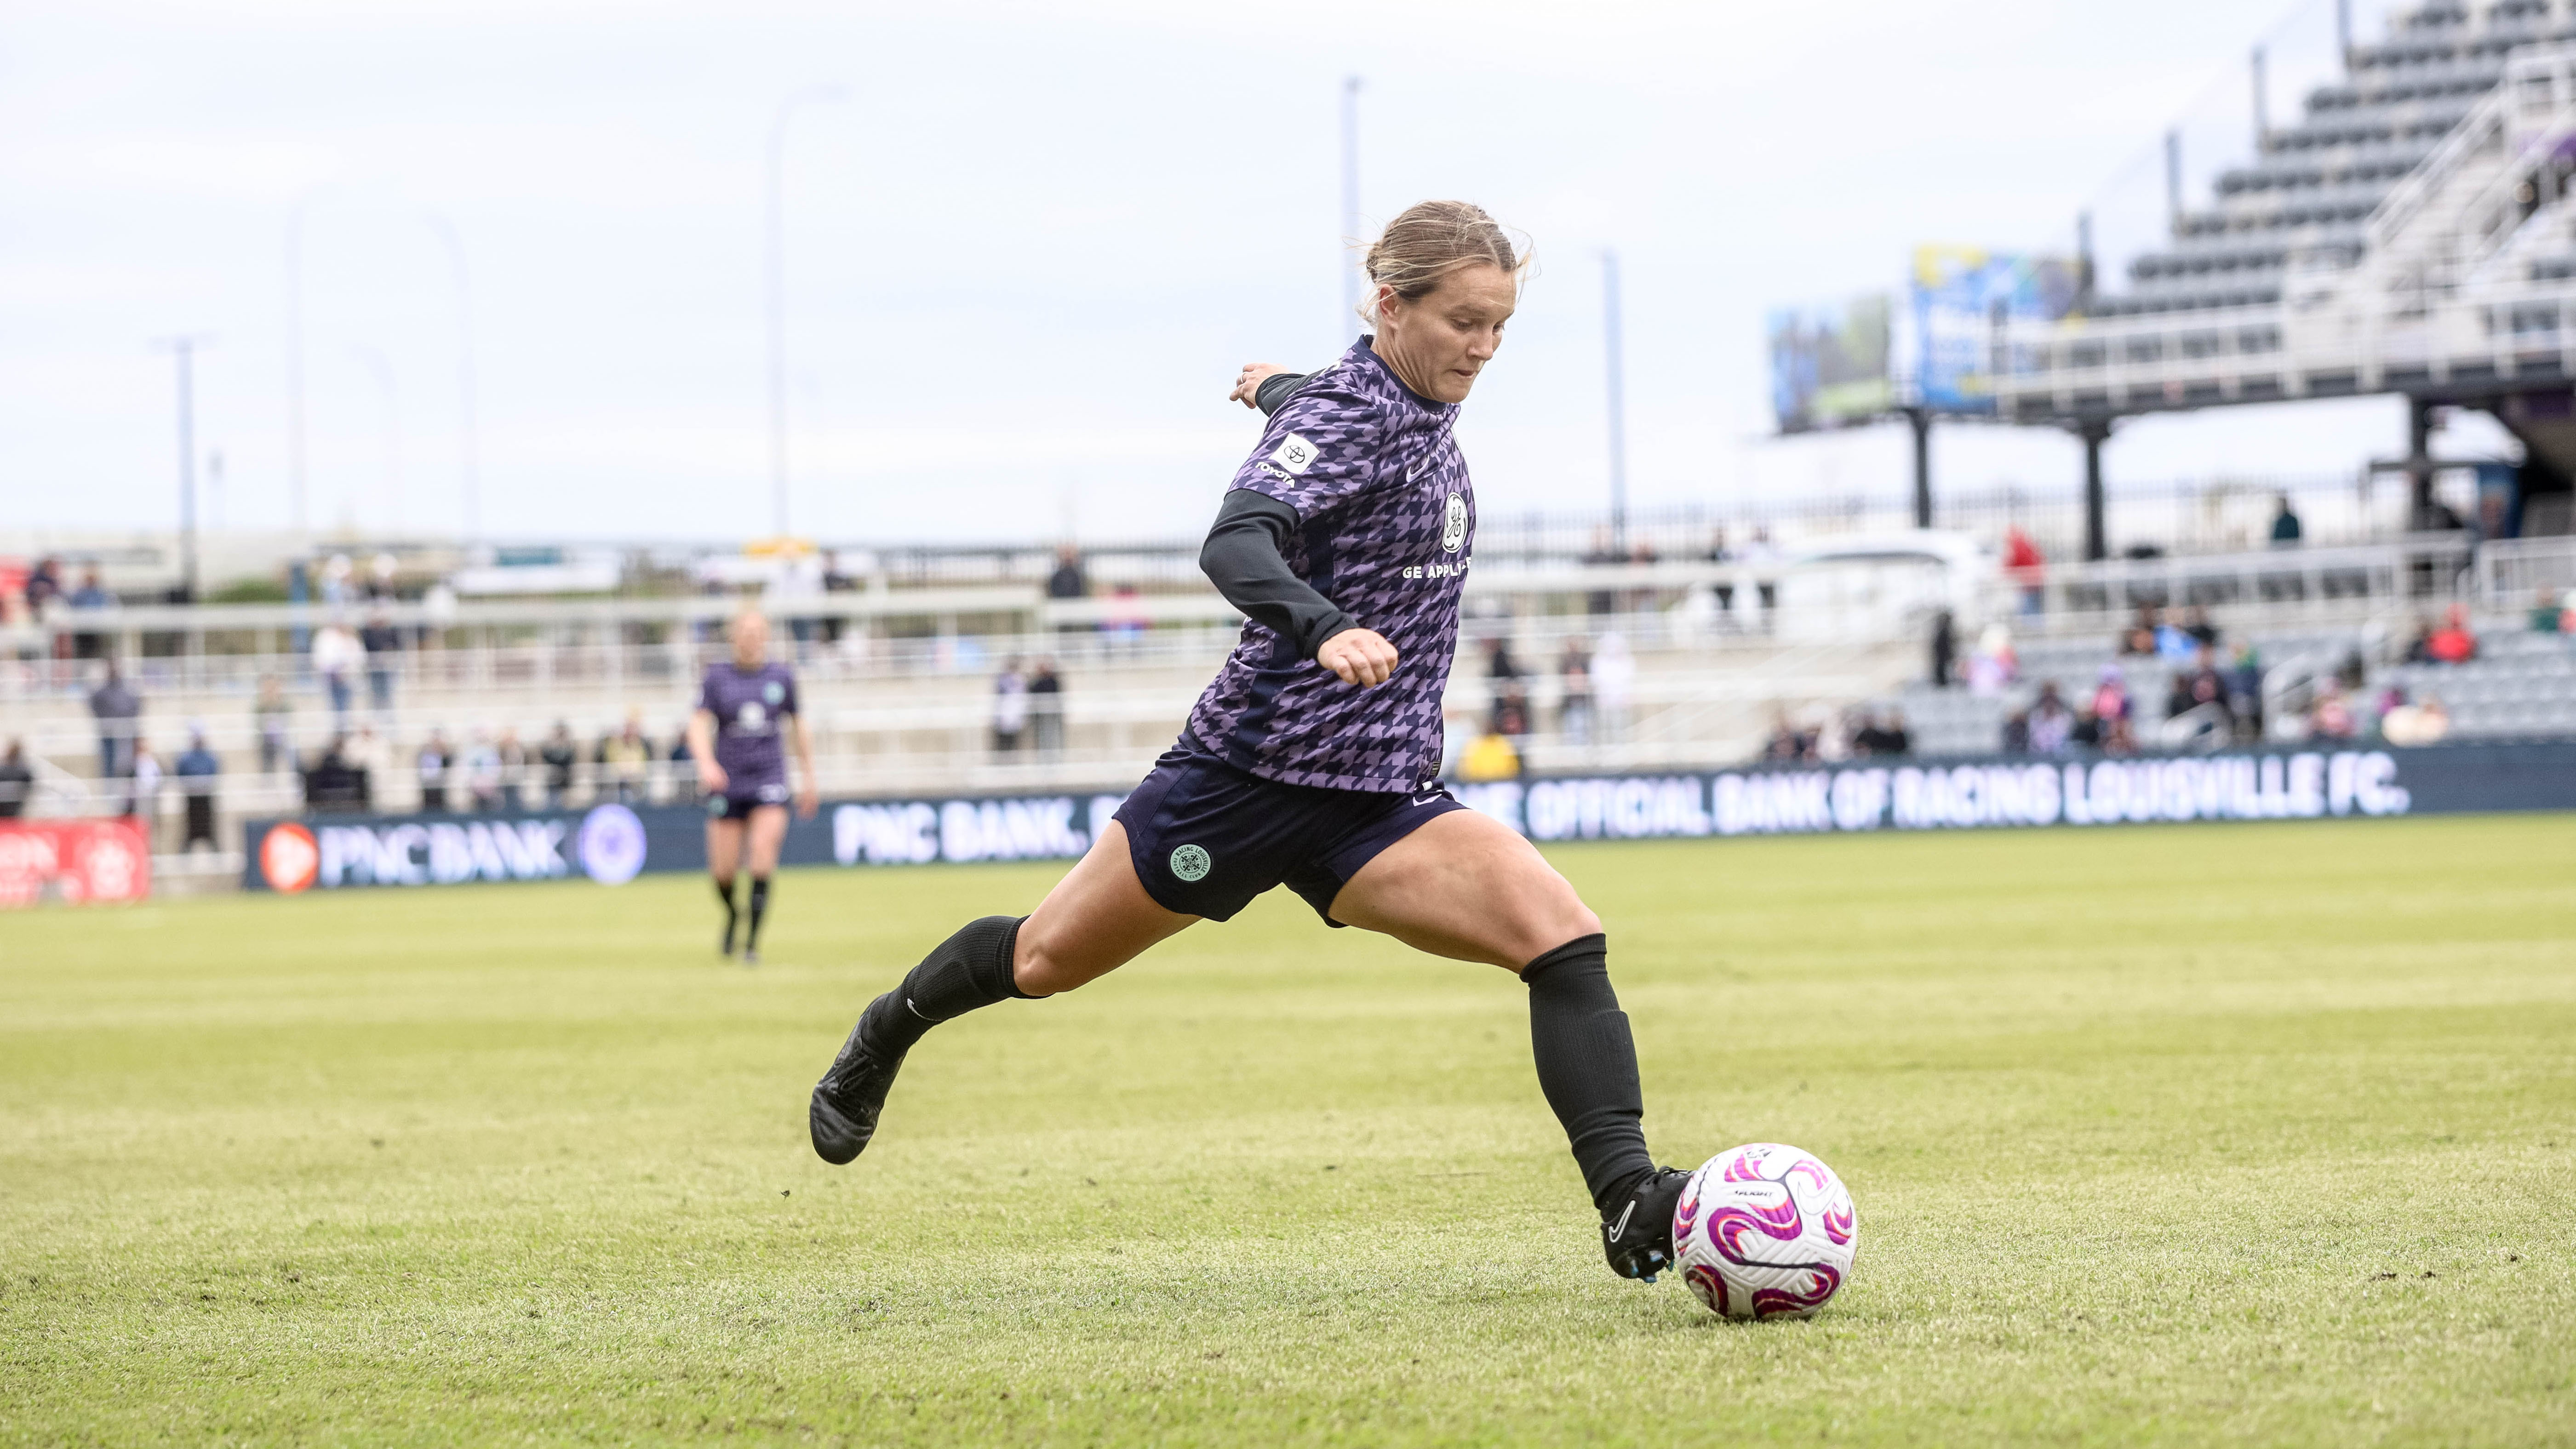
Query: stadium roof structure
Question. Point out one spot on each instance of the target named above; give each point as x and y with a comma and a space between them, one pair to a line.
2413, 231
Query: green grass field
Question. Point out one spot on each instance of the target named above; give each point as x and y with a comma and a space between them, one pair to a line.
2200, 1135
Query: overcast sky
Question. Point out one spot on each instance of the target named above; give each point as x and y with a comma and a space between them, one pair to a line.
1025, 254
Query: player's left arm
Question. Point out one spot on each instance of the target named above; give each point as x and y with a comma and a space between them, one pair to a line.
809, 796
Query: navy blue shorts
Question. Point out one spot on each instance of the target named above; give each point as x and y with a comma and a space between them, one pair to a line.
737, 802
1207, 837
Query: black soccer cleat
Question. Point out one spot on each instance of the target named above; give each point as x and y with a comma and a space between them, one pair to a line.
846, 1102
1639, 1240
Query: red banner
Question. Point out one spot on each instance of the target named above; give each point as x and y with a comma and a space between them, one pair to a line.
74, 861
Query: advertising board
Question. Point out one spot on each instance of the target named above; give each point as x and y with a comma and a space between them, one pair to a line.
74, 861
1956, 299
1829, 363
612, 844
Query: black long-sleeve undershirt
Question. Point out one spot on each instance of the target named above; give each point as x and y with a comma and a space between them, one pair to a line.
1245, 556
1246, 553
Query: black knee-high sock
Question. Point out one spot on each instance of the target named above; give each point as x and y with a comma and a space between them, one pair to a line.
1587, 1066
724, 893
968, 970
759, 908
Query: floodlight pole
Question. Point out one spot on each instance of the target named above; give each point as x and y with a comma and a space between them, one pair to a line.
2343, 32
2173, 181
1350, 207
778, 296
184, 351
468, 445
296, 494
2262, 107
1618, 390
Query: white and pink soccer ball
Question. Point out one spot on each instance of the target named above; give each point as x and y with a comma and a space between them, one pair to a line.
1765, 1231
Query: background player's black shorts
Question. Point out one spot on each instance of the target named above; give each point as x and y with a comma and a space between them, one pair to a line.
1207, 837
738, 804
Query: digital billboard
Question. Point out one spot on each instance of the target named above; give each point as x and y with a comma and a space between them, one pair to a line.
1829, 364
1957, 300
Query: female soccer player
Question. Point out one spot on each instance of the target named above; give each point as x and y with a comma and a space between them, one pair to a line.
1313, 760
742, 772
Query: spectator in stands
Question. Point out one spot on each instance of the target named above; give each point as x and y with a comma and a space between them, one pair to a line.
2086, 733
2112, 713
1614, 684
1882, 736
1069, 581
1490, 756
44, 587
379, 585
273, 717
1124, 625
2052, 724
2195, 623
383, 646
1574, 691
1046, 709
1945, 648
91, 594
2201, 687
512, 757
1602, 554
482, 774
1992, 669
197, 769
1724, 589
1010, 709
625, 760
338, 656
2555, 614
2026, 567
2016, 733
2285, 523
1509, 715
336, 574
1759, 551
17, 781
333, 783
118, 710
559, 755
369, 754
433, 764
1499, 663
682, 762
2139, 639
143, 797
2175, 644
2331, 717
2245, 691
1786, 744
2416, 724
2453, 643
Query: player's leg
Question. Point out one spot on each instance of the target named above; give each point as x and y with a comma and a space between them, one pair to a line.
1097, 919
724, 854
1465, 886
762, 835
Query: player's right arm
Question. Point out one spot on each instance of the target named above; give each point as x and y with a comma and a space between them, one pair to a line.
702, 750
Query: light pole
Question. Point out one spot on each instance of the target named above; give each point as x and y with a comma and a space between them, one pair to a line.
184, 350
1350, 207
383, 372
1618, 401
778, 296
466, 443
295, 476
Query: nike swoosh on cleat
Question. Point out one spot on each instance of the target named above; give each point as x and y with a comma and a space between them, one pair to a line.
1619, 1229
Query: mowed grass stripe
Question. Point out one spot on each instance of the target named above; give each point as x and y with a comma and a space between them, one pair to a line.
2156, 1134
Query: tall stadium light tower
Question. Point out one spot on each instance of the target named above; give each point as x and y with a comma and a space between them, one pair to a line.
467, 444
295, 475
1350, 207
778, 296
1611, 346
183, 350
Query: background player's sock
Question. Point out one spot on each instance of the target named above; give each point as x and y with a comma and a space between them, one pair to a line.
968, 970
1587, 1066
759, 908
724, 893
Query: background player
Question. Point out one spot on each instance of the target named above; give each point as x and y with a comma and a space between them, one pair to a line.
742, 771
1313, 759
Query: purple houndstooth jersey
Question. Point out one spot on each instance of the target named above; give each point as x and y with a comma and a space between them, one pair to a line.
1387, 522
748, 708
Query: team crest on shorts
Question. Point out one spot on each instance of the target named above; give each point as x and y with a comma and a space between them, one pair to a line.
1190, 863
1453, 528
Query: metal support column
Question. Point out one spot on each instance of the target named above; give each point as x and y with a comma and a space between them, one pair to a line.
1920, 420
2097, 544
2419, 462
